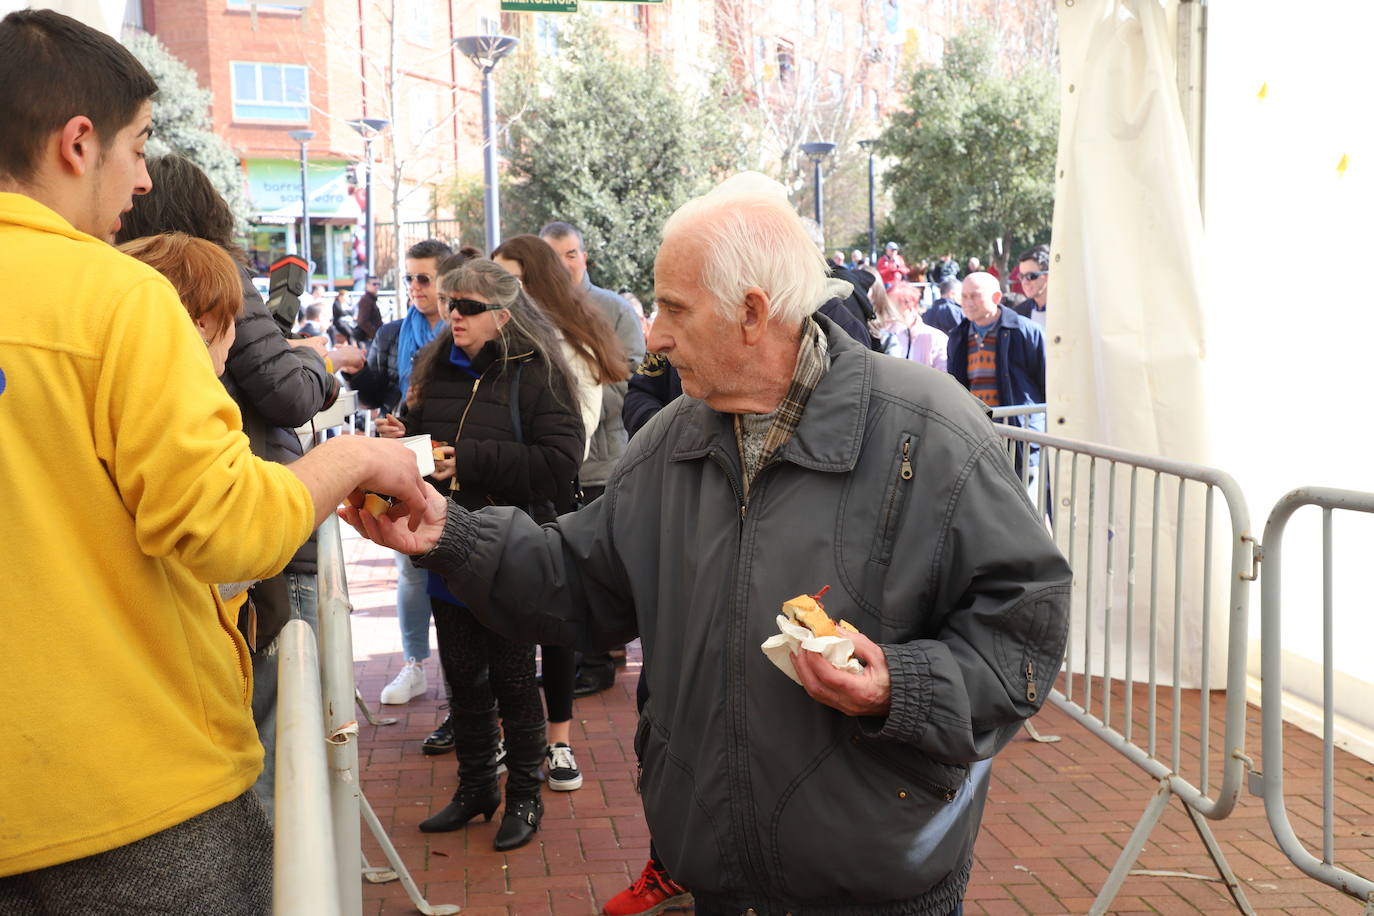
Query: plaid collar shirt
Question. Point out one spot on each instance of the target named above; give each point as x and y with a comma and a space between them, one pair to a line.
812, 361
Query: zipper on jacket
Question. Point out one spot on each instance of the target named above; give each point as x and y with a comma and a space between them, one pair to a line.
239, 661
1031, 693
737, 777
882, 548
454, 487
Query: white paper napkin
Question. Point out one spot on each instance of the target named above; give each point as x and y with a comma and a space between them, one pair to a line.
838, 650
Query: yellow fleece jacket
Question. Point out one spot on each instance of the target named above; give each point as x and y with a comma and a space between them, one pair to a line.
127, 487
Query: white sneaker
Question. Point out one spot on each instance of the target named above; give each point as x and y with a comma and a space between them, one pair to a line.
408, 684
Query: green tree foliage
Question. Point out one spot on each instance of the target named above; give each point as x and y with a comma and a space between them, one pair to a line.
610, 145
973, 153
181, 121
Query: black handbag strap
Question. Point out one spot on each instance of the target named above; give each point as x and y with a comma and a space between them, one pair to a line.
515, 401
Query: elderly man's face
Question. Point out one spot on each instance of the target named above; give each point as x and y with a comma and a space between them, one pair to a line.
982, 298
703, 346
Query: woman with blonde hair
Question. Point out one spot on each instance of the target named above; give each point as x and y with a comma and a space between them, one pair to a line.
901, 329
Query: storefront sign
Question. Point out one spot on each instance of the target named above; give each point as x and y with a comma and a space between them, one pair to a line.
538, 6
274, 190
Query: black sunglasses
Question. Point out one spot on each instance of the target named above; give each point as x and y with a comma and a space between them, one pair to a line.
422, 279
1033, 274
470, 307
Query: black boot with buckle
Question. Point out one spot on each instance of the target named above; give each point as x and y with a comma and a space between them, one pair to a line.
525, 746
475, 738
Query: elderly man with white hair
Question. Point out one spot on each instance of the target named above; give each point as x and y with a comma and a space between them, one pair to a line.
796, 459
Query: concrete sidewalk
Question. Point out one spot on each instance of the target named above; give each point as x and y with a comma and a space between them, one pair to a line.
1057, 815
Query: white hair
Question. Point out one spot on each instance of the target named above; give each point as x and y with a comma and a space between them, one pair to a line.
749, 236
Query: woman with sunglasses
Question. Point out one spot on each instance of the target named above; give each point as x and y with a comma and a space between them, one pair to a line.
497, 390
598, 361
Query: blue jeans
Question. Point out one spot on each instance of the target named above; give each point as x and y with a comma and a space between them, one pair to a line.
412, 608
304, 606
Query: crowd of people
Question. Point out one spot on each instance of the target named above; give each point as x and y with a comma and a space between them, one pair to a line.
778, 426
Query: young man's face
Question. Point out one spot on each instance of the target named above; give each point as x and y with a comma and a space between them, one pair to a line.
118, 171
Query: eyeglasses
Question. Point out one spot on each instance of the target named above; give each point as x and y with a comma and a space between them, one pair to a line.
419, 279
470, 307
1033, 274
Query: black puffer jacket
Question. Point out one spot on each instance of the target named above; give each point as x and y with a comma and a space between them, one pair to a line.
277, 387
536, 473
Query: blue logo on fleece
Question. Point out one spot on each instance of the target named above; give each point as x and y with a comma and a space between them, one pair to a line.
2, 381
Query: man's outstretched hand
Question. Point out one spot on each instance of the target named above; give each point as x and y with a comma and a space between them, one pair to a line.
394, 528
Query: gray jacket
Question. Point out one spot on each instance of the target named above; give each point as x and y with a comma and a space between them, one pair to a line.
897, 493
277, 387
608, 442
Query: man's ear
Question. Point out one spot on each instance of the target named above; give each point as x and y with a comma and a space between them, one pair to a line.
754, 316
77, 145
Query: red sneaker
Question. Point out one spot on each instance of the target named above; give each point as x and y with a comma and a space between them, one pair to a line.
654, 892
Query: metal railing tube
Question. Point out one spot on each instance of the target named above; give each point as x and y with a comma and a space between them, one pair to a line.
340, 726
1271, 689
303, 858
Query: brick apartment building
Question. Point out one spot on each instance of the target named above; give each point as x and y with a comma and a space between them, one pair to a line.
276, 67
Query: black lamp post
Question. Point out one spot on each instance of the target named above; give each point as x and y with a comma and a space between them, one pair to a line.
485, 52
872, 233
303, 137
818, 151
369, 129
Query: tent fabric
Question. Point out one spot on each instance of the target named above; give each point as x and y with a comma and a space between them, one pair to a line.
1126, 332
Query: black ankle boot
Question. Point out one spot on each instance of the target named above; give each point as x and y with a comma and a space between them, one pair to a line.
475, 738
465, 806
520, 823
525, 746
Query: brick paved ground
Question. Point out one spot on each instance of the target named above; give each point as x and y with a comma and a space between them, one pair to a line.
1056, 818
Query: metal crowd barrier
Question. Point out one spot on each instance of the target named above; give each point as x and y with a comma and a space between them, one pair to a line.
303, 861
1134, 584
318, 861
1270, 784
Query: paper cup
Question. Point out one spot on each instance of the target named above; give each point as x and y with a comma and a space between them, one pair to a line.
424, 453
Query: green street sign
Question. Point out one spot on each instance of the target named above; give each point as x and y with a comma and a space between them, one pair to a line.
538, 6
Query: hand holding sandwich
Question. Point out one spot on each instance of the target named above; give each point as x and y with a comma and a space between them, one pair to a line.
865, 694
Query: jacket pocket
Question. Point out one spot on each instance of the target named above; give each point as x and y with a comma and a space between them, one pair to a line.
942, 780
869, 827
683, 823
898, 487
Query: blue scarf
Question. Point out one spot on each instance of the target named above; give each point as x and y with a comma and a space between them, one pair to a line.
415, 333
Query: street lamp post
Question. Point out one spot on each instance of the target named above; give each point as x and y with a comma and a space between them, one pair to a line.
485, 52
368, 128
818, 151
872, 233
303, 137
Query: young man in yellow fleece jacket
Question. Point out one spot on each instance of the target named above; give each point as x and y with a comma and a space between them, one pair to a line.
127, 486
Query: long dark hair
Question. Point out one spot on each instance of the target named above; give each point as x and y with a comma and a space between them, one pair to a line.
182, 200
528, 328
583, 327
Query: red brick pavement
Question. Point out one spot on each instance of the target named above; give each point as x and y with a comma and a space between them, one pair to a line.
1057, 814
